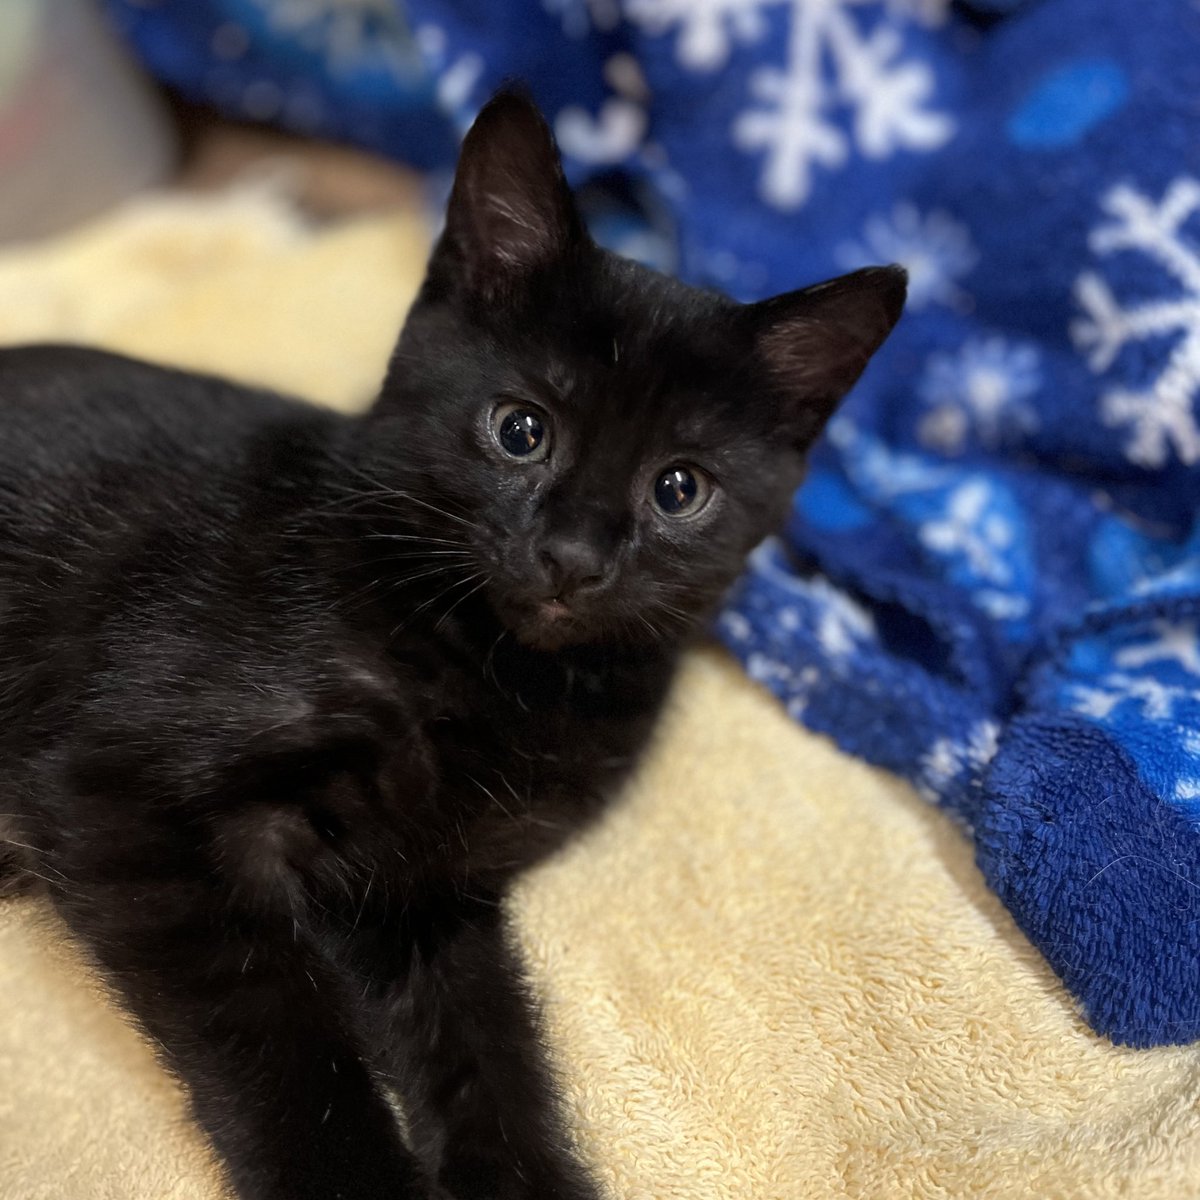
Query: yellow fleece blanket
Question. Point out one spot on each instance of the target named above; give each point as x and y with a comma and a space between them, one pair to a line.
771, 974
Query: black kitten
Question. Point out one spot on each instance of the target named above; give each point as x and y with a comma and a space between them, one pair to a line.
288, 698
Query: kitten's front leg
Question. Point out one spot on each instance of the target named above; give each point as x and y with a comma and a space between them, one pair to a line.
247, 1017
466, 1024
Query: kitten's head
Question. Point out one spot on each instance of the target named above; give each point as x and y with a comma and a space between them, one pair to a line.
609, 442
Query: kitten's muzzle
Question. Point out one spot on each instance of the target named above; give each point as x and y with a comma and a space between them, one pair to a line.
553, 612
569, 567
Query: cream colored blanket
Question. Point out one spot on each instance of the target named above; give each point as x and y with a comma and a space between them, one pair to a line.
771, 974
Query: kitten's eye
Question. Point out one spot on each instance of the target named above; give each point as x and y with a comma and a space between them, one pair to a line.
521, 431
681, 491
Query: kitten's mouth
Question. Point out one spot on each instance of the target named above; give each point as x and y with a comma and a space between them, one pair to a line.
550, 625
545, 624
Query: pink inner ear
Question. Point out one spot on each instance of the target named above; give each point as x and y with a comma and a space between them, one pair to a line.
817, 342
513, 228
826, 334
815, 364
815, 356
510, 209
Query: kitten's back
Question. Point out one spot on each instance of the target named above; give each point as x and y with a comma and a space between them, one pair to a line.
126, 489
67, 410
91, 438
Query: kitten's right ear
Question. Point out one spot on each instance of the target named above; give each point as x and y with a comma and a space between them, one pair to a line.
510, 210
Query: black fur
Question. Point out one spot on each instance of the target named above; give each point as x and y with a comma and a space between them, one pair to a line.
288, 698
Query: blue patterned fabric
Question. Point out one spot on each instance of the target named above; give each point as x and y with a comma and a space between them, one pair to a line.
991, 581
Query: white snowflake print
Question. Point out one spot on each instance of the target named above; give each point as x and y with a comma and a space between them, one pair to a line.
611, 136
934, 248
707, 28
765, 670
927, 12
457, 78
736, 626
982, 387
831, 64
1173, 642
1095, 702
1166, 644
803, 686
972, 524
842, 624
1187, 787
1179, 579
579, 17
979, 542
1159, 417
619, 127
1155, 700
968, 528
948, 760
348, 33
1155, 720
883, 472
1149, 696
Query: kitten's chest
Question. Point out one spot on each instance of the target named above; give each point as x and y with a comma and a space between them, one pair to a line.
527, 749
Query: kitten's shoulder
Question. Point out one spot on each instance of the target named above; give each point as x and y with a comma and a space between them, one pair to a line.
54, 380
71, 407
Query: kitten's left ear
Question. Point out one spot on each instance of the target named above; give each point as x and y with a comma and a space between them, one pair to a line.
510, 210
816, 342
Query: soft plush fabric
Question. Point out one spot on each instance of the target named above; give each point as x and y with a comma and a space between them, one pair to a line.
1007, 509
993, 575
772, 973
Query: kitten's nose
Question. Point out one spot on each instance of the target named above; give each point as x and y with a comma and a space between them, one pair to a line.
571, 565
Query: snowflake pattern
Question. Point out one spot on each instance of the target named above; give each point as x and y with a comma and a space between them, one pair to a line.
1147, 692
458, 76
928, 12
949, 760
793, 621
1153, 699
1172, 642
618, 129
885, 474
611, 136
830, 64
970, 524
978, 539
348, 33
579, 17
842, 624
982, 387
1159, 417
707, 28
935, 249
1187, 787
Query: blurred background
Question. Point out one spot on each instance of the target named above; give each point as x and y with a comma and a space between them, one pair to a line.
85, 123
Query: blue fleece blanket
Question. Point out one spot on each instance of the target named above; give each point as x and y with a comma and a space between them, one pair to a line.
991, 581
